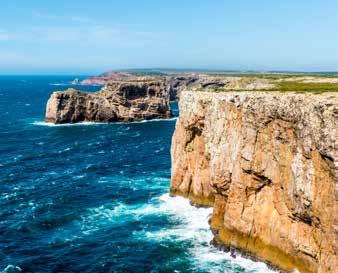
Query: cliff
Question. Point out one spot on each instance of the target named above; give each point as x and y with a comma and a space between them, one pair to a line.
116, 101
265, 161
113, 76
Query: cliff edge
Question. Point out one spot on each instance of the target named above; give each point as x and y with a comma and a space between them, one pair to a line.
266, 162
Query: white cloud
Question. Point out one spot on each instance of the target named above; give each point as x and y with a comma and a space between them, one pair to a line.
82, 31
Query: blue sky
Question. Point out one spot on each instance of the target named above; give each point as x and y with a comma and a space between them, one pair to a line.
89, 37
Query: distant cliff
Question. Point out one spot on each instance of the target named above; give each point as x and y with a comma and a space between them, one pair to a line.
266, 162
116, 101
109, 76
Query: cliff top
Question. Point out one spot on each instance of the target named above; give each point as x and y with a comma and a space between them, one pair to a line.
218, 82
282, 83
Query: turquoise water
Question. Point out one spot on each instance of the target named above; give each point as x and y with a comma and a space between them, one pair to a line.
94, 197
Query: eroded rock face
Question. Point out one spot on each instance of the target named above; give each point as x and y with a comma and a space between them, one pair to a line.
197, 82
116, 101
266, 163
175, 84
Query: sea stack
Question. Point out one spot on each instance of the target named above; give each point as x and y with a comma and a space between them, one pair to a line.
116, 101
265, 162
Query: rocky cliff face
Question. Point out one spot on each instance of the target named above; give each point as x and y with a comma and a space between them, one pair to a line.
266, 163
196, 82
116, 101
175, 84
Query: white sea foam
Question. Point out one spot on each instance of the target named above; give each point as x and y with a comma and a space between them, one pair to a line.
86, 123
191, 224
48, 124
73, 84
8, 195
188, 224
61, 84
11, 269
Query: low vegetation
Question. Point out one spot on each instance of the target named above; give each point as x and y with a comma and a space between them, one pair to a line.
297, 86
280, 82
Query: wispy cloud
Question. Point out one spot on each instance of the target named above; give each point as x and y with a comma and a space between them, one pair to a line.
98, 35
65, 29
64, 18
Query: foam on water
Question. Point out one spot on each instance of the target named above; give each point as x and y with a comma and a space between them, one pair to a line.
11, 269
188, 224
86, 123
61, 84
49, 124
192, 225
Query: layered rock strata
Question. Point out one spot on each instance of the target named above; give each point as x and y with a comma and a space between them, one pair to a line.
265, 161
116, 101
197, 82
175, 84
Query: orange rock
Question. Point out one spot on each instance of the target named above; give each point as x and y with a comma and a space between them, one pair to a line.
265, 162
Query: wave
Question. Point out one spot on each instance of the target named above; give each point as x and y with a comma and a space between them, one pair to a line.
187, 224
49, 124
61, 84
73, 84
193, 226
86, 123
11, 269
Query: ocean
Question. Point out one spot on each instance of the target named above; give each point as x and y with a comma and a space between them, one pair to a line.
94, 197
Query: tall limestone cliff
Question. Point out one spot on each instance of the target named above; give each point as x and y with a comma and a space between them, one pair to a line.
265, 161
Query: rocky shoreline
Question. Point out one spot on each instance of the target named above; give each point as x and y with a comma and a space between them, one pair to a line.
265, 161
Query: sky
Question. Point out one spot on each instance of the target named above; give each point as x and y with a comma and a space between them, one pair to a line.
90, 37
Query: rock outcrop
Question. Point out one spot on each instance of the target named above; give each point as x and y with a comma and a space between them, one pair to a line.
197, 82
266, 162
116, 101
176, 84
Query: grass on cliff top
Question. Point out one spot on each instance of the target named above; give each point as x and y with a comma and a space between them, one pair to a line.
276, 76
289, 86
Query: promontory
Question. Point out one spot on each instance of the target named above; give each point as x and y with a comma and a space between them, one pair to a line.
116, 101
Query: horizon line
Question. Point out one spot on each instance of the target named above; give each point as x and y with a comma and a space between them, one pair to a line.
182, 70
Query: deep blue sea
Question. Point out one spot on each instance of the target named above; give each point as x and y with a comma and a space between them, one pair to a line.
94, 197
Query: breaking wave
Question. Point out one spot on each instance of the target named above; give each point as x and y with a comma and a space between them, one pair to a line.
86, 123
188, 224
